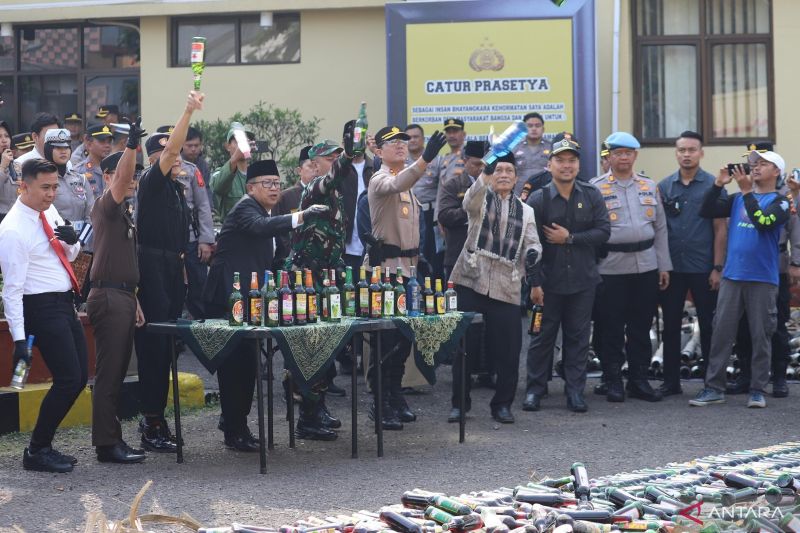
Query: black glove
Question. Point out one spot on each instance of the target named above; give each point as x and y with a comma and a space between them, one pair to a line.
66, 233
314, 210
435, 143
347, 137
20, 352
135, 133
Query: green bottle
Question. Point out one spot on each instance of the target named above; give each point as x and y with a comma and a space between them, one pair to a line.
197, 60
235, 303
363, 294
349, 293
334, 299
388, 294
360, 131
271, 304
323, 297
400, 308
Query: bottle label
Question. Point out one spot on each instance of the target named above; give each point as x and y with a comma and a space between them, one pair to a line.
301, 306
237, 311
363, 298
356, 136
272, 311
286, 308
375, 304
429, 305
350, 301
452, 304
255, 311
312, 308
440, 305
413, 303
388, 303
336, 306
401, 304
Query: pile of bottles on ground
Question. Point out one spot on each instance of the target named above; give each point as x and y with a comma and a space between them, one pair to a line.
299, 303
752, 491
692, 362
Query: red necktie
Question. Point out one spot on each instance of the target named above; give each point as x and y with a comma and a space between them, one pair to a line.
62, 255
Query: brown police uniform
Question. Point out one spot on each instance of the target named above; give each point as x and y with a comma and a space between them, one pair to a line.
111, 307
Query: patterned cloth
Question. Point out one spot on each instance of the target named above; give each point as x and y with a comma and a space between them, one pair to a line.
435, 336
211, 340
308, 351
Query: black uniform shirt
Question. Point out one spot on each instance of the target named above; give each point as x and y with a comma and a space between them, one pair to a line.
570, 268
162, 216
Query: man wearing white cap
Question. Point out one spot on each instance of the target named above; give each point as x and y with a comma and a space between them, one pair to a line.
750, 276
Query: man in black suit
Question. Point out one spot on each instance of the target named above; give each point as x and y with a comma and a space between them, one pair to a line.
246, 244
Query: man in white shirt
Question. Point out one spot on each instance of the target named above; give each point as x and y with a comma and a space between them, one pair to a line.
39, 289
41, 123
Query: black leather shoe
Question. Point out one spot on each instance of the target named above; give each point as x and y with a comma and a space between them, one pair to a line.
669, 390
45, 460
455, 415
601, 389
326, 418
389, 418
740, 386
615, 392
400, 406
68, 458
244, 442
532, 402
576, 403
335, 390
503, 415
312, 430
780, 389
155, 437
119, 453
641, 390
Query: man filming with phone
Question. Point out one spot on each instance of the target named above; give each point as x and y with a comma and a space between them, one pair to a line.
750, 276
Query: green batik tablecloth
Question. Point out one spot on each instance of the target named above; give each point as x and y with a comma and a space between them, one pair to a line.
435, 336
212, 340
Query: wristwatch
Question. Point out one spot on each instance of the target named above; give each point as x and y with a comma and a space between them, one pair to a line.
718, 268
570, 238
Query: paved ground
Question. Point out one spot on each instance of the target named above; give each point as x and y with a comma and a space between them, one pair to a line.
217, 486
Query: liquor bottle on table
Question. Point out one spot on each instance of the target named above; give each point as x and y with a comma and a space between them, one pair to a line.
271, 305
235, 303
451, 298
334, 299
428, 298
254, 301
363, 294
311, 298
388, 295
323, 297
414, 296
300, 300
349, 291
438, 297
376, 294
401, 304
287, 301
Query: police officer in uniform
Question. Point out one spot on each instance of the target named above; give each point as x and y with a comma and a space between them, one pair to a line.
112, 305
163, 221
21, 144
97, 147
636, 265
394, 212
74, 123
74, 197
532, 153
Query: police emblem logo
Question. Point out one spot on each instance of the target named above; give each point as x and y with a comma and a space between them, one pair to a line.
62, 135
106, 130
580, 205
612, 216
405, 210
162, 141
649, 212
486, 58
751, 147
565, 142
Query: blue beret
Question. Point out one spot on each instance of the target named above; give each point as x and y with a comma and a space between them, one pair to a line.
621, 139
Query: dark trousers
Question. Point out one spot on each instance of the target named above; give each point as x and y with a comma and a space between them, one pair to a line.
51, 317
395, 349
427, 237
112, 313
503, 342
672, 300
572, 313
196, 274
237, 381
627, 309
780, 339
161, 295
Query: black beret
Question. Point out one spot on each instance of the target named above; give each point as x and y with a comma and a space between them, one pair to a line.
265, 167
155, 143
165, 129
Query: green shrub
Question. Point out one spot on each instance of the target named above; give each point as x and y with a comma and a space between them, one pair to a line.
284, 130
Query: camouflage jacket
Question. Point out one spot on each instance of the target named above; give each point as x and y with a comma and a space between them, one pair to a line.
319, 243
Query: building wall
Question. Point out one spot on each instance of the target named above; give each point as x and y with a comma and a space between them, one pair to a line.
343, 56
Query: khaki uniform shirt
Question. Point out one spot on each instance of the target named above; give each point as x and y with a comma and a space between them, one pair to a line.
394, 211
636, 214
530, 159
93, 174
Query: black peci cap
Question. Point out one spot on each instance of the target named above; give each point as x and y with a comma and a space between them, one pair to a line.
475, 149
265, 167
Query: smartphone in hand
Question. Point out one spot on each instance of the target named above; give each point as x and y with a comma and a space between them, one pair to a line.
732, 168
